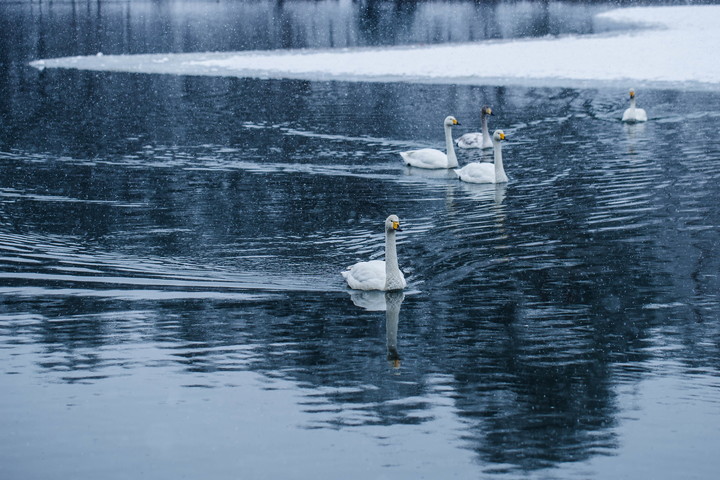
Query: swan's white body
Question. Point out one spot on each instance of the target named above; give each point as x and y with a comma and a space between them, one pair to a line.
432, 158
478, 139
482, 172
634, 114
379, 274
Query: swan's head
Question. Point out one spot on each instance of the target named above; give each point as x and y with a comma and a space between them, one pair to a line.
498, 136
451, 121
392, 224
486, 110
632, 93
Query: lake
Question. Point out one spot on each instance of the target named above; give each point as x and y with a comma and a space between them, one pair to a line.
171, 303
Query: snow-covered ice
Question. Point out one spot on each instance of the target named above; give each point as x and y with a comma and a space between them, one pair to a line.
666, 46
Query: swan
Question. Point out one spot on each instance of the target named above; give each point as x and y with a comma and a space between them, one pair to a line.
432, 158
484, 172
478, 139
634, 114
379, 274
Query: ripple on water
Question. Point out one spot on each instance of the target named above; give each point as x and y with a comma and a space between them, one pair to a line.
40, 266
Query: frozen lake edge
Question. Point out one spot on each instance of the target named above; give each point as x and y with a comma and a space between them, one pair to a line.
667, 53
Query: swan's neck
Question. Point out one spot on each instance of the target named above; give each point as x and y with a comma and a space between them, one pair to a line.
500, 176
451, 158
632, 103
485, 132
393, 276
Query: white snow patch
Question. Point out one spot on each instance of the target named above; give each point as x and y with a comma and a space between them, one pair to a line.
674, 48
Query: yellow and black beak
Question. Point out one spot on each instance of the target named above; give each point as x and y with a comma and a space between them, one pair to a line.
632, 94
455, 122
396, 226
502, 136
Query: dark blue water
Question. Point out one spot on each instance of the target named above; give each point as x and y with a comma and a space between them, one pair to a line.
170, 249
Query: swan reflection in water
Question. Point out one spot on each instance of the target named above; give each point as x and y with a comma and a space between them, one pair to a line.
494, 192
429, 174
389, 302
634, 135
392, 318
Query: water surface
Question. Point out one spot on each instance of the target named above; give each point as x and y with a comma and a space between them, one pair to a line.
170, 248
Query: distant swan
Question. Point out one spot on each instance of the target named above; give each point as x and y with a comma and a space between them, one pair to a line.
486, 172
634, 114
478, 139
432, 158
379, 274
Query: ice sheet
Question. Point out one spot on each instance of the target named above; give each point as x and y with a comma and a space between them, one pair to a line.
674, 46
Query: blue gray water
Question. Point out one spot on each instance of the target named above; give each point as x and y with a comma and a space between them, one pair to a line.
170, 248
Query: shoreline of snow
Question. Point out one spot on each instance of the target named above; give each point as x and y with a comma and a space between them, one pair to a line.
668, 51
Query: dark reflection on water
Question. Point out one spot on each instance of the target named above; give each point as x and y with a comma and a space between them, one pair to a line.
167, 235
84, 27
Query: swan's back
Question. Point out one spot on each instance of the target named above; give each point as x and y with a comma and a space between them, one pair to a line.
634, 115
366, 275
426, 158
474, 140
477, 173
470, 140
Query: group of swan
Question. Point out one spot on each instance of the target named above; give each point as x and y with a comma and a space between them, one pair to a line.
386, 274
477, 172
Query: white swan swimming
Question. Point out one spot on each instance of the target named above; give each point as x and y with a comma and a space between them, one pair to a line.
379, 274
484, 172
432, 158
478, 139
634, 114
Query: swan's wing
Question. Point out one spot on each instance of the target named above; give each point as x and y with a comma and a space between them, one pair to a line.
425, 158
366, 275
634, 115
477, 173
470, 140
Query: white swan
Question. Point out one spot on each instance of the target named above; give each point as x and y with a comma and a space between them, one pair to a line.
478, 139
379, 274
634, 114
432, 158
478, 172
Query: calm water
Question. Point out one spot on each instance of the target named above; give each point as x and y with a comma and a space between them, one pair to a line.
170, 248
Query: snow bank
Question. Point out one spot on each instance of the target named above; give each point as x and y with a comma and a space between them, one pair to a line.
674, 48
